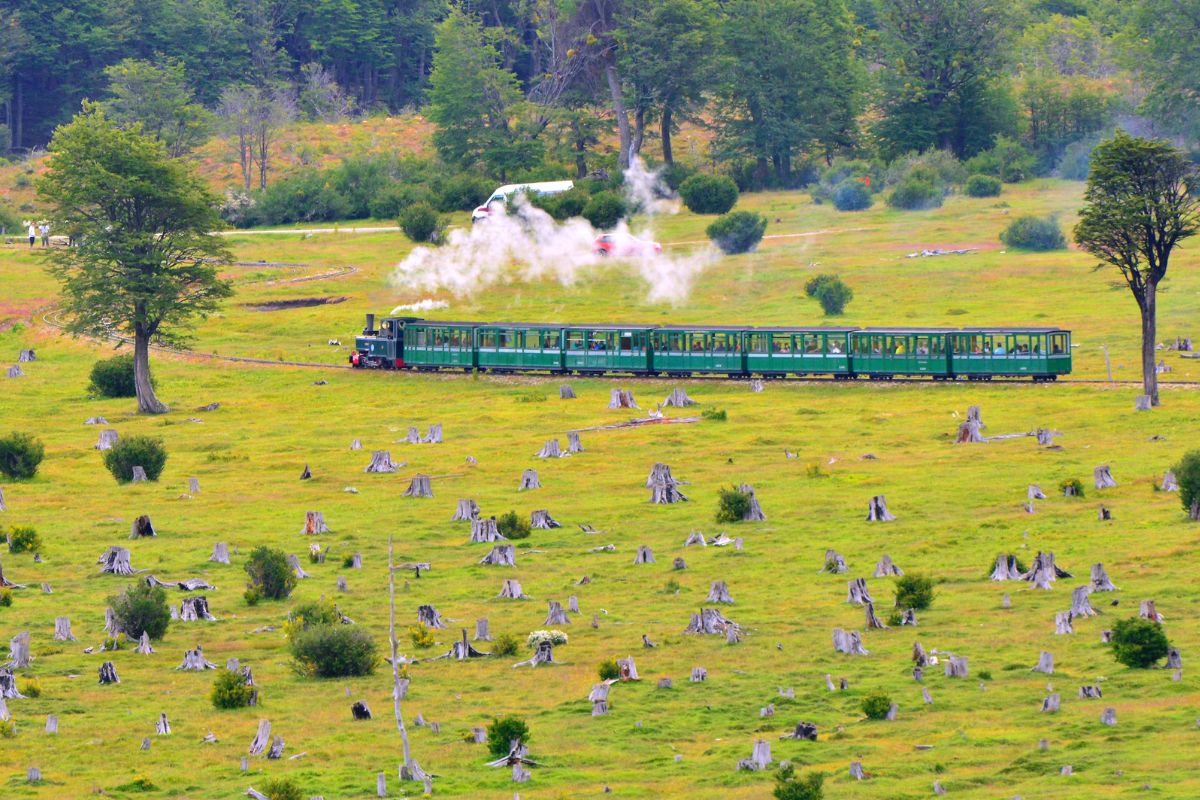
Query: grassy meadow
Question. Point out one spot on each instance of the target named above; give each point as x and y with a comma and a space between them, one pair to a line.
958, 506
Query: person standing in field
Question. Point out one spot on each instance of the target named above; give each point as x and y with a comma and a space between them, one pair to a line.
32, 234
45, 231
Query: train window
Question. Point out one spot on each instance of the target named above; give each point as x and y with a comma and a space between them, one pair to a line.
422, 337
758, 342
922, 346
812, 345
781, 343
835, 347
696, 342
506, 339
626, 341
1058, 343
550, 340
487, 340
574, 340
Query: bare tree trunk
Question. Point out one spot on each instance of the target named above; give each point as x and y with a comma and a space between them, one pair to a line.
148, 403
668, 157
639, 130
245, 157
396, 693
1149, 337
618, 102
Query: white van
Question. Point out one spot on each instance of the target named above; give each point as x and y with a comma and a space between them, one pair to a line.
504, 193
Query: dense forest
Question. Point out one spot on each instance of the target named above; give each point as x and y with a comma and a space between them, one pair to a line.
532, 87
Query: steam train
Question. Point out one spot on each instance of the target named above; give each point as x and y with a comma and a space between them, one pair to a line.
981, 354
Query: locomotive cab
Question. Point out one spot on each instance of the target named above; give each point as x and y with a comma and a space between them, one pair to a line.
382, 347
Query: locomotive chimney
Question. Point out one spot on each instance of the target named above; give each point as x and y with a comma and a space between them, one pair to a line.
367, 331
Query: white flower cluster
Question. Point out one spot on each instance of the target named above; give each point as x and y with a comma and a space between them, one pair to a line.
554, 637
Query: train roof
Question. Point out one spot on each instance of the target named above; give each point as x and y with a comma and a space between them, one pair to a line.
802, 329
609, 326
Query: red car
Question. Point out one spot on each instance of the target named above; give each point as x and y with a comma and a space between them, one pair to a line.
623, 245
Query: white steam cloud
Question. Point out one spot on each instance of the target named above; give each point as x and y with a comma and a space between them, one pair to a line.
528, 245
428, 304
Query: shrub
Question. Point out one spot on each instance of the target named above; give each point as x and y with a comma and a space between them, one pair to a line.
1007, 160
939, 167
141, 608
390, 201
20, 455
8, 728
307, 196
5, 598
675, 173
502, 732
914, 591
10, 223
982, 186
738, 231
252, 595
1034, 233
229, 690
360, 180
421, 635
609, 670
915, 194
136, 451
270, 573
462, 193
30, 687
561, 206
604, 210
732, 505
23, 539
282, 789
512, 526
985, 675
715, 414
334, 651
421, 223
1187, 475
506, 644
306, 615
113, 377
1074, 483
709, 194
876, 705
852, 195
1138, 642
830, 291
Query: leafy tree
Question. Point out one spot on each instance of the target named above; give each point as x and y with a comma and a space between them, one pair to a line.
421, 223
334, 651
709, 194
788, 786
270, 574
141, 608
1187, 474
737, 231
1140, 204
1138, 642
830, 291
146, 264
157, 96
604, 210
1163, 53
501, 733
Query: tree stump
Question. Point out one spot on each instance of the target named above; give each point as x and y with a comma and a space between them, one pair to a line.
529, 480
872, 620
644, 555
1109, 717
760, 757
107, 439
556, 615
574, 445
969, 433
718, 592
419, 487
1034, 492
919, 656
678, 398
1100, 581
413, 437
885, 567
565, 392
710, 622
1174, 659
892, 713
381, 461
598, 697
1148, 611
877, 510
485, 530
356, 561
664, 488
26, 356
52, 723
195, 608
754, 512
143, 646
297, 569
857, 592
678, 563
549, 450
699, 675
429, 617
620, 398
220, 553
1090, 692
2, 506
194, 661
62, 630
8, 687
956, 667
1045, 664
1062, 623
806, 731
108, 673
261, 739
110, 622
756, 385
95, 421
138, 475
926, 696
544, 654
849, 643
142, 527
503, 555
541, 520
1051, 703
19, 656
1081, 606
908, 617
628, 669
1045, 437
1141, 402
1044, 571
481, 630
435, 434
695, 537
15, 371
834, 563
1169, 483
276, 750
341, 583
1105, 514
356, 445
163, 726
115, 561
467, 510
1103, 477
33, 775
856, 770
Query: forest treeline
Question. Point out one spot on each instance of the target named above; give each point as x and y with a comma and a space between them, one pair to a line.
533, 87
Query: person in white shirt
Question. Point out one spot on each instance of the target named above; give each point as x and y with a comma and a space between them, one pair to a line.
32, 234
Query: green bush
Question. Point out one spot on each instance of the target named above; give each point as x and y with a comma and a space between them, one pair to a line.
982, 186
5, 598
501, 733
421, 223
317, 612
113, 377
23, 539
229, 690
136, 451
732, 505
282, 789
252, 595
1075, 485
270, 574
609, 670
390, 201
1007, 160
604, 210
1034, 233
8, 728
462, 193
914, 591
938, 167
852, 195
360, 180
1138, 643
1187, 475
830, 291
334, 651
876, 705
10, 223
737, 232
506, 644
675, 173
562, 206
307, 196
512, 526
715, 414
20, 455
141, 608
709, 194
421, 636
916, 194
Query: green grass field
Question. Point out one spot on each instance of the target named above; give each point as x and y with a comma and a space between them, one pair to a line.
958, 506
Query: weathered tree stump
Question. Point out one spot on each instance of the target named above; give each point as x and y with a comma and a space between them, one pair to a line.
556, 615
2, 506
754, 512
806, 731
574, 445
956, 667
549, 450
485, 530
856, 770
419, 487
1034, 492
341, 583
1141, 402
1051, 703
261, 739
142, 527
276, 750
1100, 581
544, 654
195, 608
1081, 606
1105, 514
710, 622
1174, 659
644, 555
1109, 717
429, 617
110, 622
138, 475
565, 392
919, 656
1044, 571
297, 569
381, 461
413, 437
356, 445
695, 537
26, 356
541, 520
885, 567
857, 592
51, 723
678, 398
435, 434
1103, 477
529, 480
220, 553
834, 563
1062, 623
503, 555
1090, 692
8, 687
62, 630
573, 605
877, 510
872, 620
19, 656
1148, 611
621, 398
908, 617
115, 561
1045, 437
15, 371
718, 592
598, 697
511, 590
1169, 482
163, 726
699, 675
466, 511
848, 642
1045, 664
482, 634
969, 433
664, 488
760, 757
107, 439
143, 646
108, 673
756, 385
678, 563
33, 775
95, 421
926, 696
